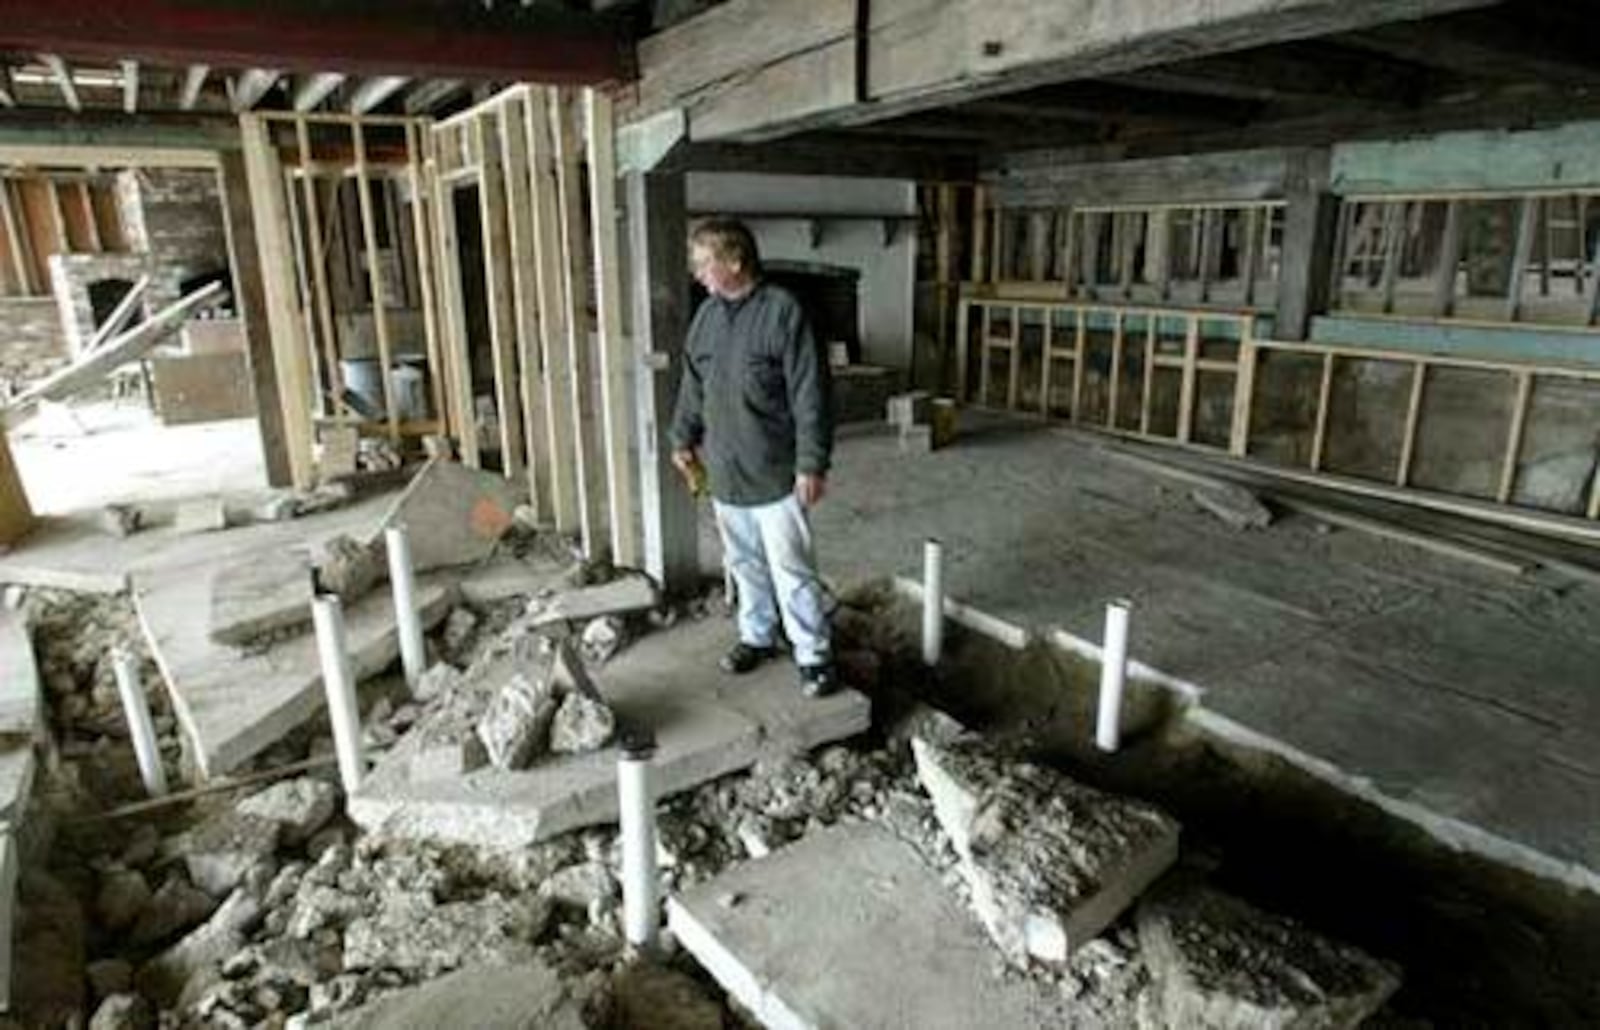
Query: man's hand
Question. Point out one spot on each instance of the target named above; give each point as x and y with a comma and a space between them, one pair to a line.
685, 459
809, 488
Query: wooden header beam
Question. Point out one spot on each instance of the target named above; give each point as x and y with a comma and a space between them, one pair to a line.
441, 41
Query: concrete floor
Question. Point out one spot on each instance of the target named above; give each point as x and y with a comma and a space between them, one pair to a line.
1461, 697
102, 452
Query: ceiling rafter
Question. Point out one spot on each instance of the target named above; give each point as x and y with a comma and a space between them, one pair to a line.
62, 73
375, 91
252, 85
314, 89
194, 80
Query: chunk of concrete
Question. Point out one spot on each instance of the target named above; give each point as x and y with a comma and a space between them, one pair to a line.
415, 935
524, 996
220, 851
455, 514
163, 977
628, 593
351, 568
581, 724
516, 728
300, 807
260, 595
440, 680
21, 696
850, 928
177, 905
1238, 508
1051, 863
1221, 964
705, 728
200, 515
602, 638
123, 1012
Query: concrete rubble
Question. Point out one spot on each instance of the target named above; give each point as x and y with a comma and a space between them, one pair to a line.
1225, 965
1238, 508
252, 599
455, 515
524, 996
1050, 863
516, 727
300, 807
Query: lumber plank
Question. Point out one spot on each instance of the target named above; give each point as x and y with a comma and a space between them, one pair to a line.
498, 289
1519, 417
119, 317
316, 256
380, 303
513, 125
421, 228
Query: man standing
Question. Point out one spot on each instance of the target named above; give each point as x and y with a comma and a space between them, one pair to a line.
755, 410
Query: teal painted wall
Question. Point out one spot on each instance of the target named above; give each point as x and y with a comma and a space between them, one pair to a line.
1508, 344
1567, 157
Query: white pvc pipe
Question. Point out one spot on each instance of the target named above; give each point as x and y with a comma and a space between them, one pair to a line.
932, 602
637, 806
140, 726
339, 681
408, 623
1113, 667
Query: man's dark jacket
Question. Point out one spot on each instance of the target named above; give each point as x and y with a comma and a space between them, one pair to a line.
755, 396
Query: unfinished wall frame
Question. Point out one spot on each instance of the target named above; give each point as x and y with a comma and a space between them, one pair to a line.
1109, 360
542, 161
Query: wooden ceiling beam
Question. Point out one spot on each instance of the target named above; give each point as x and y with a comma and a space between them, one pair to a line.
512, 42
194, 80
375, 91
314, 89
428, 95
252, 85
130, 86
62, 73
8, 92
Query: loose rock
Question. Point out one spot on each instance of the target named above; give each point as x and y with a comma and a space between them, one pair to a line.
581, 724
123, 1012
413, 934
220, 851
300, 807
516, 727
176, 906
602, 638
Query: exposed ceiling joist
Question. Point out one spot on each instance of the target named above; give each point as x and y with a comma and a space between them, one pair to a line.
8, 92
542, 43
314, 89
130, 86
62, 73
429, 95
1485, 45
375, 91
251, 86
1288, 73
194, 80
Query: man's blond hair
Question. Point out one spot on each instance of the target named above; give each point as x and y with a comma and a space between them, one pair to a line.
729, 241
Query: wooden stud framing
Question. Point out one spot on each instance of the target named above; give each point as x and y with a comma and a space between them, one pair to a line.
290, 356
1244, 388
1519, 418
1047, 357
1444, 282
1080, 345
1319, 435
1408, 442
316, 255
498, 290
380, 315
456, 371
1116, 369
980, 238
1252, 250
963, 335
986, 334
574, 238
1186, 395
1394, 231
558, 400
524, 293
1014, 367
297, 243
616, 402
21, 248
1527, 225
1150, 329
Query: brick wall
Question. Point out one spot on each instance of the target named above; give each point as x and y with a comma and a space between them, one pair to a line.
33, 344
174, 216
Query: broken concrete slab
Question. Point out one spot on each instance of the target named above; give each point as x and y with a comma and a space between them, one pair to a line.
1221, 964
628, 593
1051, 863
850, 928
501, 579
581, 724
21, 696
230, 705
455, 514
351, 568
17, 768
524, 996
1237, 507
706, 725
259, 595
200, 515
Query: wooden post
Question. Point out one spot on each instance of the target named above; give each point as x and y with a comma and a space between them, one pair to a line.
1310, 225
1519, 418
963, 348
525, 297
380, 316
616, 406
1147, 392
1116, 369
560, 414
944, 273
1186, 393
1408, 443
1080, 346
317, 257
455, 366
292, 383
1014, 367
980, 238
1527, 223
498, 290
590, 476
1244, 388
422, 223
657, 231
1319, 435
1444, 273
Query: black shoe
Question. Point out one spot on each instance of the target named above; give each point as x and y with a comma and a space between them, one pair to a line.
818, 680
743, 657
